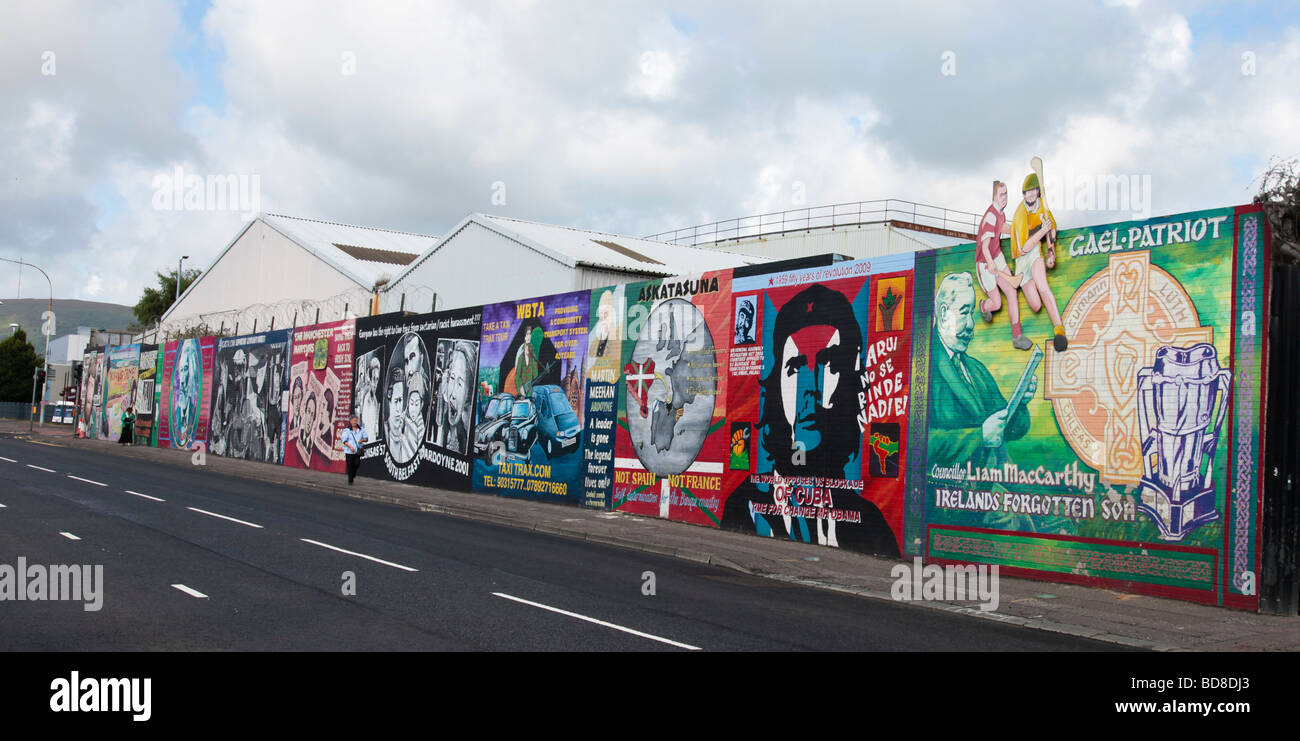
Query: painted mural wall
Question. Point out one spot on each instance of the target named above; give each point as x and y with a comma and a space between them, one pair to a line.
321, 361
1107, 456
187, 374
89, 393
146, 395
247, 420
414, 395
530, 396
820, 401
1085, 412
122, 371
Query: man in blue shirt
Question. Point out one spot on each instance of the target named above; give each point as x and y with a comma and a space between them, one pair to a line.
353, 438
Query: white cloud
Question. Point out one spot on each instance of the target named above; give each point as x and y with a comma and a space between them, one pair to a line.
604, 115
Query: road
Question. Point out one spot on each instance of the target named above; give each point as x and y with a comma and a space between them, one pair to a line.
195, 561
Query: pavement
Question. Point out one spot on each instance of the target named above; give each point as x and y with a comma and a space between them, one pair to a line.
1100, 614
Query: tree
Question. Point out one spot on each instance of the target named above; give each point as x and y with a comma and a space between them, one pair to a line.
18, 361
155, 302
1280, 183
1279, 192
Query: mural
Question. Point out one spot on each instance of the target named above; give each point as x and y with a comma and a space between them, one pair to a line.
1074, 404
122, 370
146, 392
187, 375
88, 393
672, 445
321, 362
530, 398
247, 420
823, 386
1094, 449
414, 395
601, 388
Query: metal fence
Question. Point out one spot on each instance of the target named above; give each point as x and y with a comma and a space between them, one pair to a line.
821, 217
22, 410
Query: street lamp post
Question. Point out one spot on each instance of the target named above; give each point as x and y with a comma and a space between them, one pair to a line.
178, 275
46, 328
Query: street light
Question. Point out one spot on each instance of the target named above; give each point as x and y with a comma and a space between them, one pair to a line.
178, 275
46, 328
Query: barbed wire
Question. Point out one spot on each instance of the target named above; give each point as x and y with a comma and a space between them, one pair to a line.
289, 313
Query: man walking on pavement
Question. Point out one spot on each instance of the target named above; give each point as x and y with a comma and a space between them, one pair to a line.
353, 438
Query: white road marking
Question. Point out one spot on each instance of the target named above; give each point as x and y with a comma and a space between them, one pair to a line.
11, 460
146, 496
88, 481
69, 536
2, 506
41, 468
214, 514
190, 592
669, 641
358, 555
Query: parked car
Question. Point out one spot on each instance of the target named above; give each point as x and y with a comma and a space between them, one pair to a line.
522, 431
558, 426
490, 432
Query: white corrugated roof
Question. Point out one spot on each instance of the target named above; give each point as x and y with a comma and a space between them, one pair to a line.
575, 247
322, 238
618, 252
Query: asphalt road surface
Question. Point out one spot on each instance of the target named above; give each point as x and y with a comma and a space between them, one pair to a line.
196, 561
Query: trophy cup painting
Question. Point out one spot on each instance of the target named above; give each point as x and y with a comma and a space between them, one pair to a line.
1182, 400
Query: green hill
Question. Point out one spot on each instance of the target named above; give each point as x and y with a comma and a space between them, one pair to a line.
68, 314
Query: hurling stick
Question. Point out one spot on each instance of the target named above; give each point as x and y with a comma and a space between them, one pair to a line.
1036, 164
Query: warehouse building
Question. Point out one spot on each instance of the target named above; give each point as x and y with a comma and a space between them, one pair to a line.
485, 259
280, 271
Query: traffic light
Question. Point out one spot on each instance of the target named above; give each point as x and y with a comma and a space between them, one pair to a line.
40, 378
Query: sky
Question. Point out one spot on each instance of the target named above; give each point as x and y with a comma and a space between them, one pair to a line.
628, 117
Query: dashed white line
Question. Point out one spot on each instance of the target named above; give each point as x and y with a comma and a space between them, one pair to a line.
146, 496
11, 460
88, 481
358, 555
191, 592
42, 468
2, 506
575, 615
224, 517
69, 536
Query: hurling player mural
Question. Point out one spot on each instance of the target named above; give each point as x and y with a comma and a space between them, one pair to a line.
247, 421
528, 432
411, 372
826, 389
1100, 444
